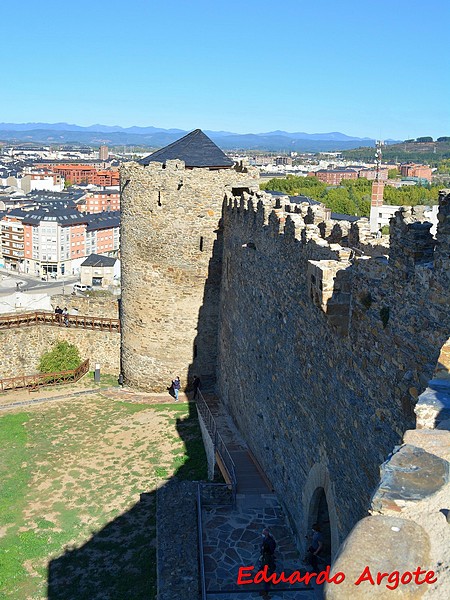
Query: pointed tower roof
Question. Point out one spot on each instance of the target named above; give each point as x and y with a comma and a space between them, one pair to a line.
195, 149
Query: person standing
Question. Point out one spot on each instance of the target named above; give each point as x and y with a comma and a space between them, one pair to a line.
267, 559
196, 385
316, 547
58, 311
176, 384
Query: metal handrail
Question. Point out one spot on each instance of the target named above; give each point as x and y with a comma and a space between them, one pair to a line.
219, 444
59, 320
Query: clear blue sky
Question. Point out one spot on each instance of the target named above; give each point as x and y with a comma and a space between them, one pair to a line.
378, 69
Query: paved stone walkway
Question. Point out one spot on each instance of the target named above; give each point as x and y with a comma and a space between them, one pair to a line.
232, 537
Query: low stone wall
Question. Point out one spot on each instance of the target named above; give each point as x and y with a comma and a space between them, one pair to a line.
103, 306
177, 547
22, 348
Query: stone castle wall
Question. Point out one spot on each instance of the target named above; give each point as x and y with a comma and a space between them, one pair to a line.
322, 355
171, 249
22, 348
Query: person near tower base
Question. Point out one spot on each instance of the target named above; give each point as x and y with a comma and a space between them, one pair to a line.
316, 547
176, 384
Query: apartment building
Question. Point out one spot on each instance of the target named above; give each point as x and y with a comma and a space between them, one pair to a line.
103, 233
76, 173
51, 241
371, 174
12, 242
415, 170
97, 201
334, 176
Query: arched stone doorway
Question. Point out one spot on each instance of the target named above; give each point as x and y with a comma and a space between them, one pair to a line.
319, 507
319, 514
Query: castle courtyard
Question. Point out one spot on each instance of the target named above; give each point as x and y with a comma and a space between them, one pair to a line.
78, 503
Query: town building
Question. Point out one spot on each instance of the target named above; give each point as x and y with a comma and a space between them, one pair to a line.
371, 174
100, 200
103, 233
334, 176
416, 170
77, 173
12, 242
100, 271
103, 153
50, 241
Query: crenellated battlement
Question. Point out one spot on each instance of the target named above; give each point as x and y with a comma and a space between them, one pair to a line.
337, 344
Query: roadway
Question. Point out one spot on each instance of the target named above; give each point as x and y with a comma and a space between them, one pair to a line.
12, 282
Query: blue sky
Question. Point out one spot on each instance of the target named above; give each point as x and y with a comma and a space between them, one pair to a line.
378, 69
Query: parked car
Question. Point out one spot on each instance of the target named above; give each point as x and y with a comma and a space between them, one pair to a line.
79, 287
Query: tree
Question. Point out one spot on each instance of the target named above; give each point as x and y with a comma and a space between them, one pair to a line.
443, 139
424, 139
62, 357
392, 173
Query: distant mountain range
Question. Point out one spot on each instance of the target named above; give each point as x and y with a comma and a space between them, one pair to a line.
155, 137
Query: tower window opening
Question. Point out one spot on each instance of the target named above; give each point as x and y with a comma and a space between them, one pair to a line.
201, 243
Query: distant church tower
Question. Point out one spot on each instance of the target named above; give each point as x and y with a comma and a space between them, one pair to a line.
172, 260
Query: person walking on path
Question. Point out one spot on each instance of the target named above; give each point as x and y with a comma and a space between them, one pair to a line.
267, 559
176, 384
196, 385
316, 547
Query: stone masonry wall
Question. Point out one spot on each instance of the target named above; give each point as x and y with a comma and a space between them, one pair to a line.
104, 306
322, 357
171, 255
21, 348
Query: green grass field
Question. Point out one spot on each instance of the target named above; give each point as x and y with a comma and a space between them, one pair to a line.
73, 523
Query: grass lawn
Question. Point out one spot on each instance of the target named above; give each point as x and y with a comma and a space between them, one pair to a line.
73, 523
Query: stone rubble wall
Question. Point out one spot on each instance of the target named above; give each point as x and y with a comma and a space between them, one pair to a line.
177, 563
171, 250
21, 348
103, 306
322, 391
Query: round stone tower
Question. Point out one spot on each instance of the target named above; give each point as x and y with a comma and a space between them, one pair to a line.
171, 260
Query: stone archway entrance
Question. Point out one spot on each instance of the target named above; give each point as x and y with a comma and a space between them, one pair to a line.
319, 513
319, 507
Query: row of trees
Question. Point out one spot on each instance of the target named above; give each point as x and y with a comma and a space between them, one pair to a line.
352, 197
427, 139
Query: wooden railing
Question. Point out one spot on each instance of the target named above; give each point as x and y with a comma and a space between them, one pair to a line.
34, 381
48, 318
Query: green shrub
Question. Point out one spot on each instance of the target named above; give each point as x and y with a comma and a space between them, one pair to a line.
62, 357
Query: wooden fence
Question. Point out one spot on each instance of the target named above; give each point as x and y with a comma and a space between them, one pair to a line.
47, 318
34, 381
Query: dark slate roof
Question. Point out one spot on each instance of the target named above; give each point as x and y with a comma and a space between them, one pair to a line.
63, 216
294, 199
97, 260
195, 149
103, 220
342, 217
